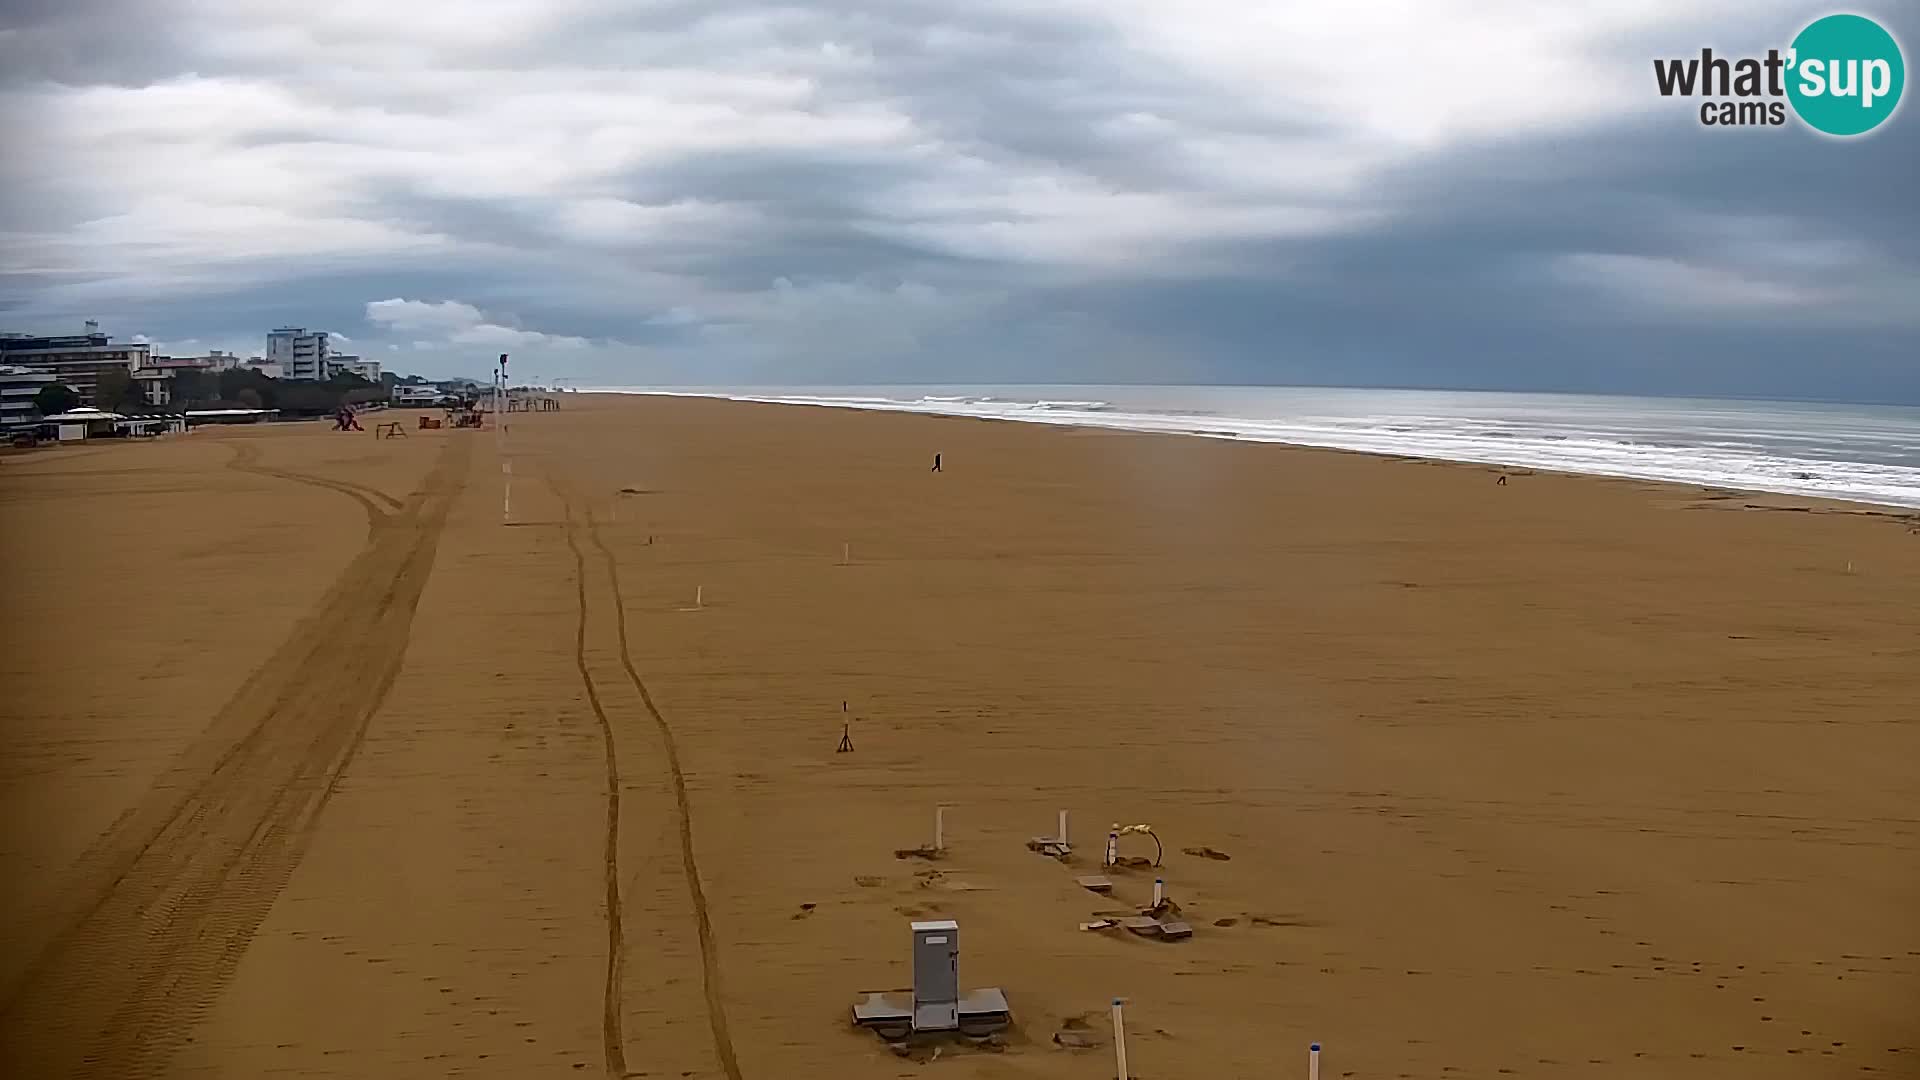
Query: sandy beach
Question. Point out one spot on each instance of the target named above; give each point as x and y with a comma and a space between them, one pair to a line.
316, 768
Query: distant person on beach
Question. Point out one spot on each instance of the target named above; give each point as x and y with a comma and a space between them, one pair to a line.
936, 463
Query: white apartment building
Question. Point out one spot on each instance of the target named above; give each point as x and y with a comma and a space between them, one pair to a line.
366, 369
300, 354
215, 361
404, 395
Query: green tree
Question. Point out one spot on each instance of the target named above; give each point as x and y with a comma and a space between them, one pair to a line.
115, 389
191, 386
228, 383
54, 399
248, 397
265, 390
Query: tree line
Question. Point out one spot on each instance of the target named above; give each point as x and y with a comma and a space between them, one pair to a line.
236, 388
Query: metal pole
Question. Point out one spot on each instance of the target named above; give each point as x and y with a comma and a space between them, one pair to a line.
1313, 1062
1119, 1043
500, 448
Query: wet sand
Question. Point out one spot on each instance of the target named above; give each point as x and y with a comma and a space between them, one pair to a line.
309, 755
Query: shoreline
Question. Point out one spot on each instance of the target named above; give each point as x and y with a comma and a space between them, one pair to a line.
1894, 510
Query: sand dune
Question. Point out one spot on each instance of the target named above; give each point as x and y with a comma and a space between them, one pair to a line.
317, 769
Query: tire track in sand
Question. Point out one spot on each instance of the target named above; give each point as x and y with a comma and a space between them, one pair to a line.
375, 502
612, 1035
715, 1005
709, 948
165, 903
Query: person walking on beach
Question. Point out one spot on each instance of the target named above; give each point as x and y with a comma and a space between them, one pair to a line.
936, 463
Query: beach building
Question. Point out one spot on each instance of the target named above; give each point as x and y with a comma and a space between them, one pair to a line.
75, 360
202, 417
156, 378
18, 385
366, 369
156, 385
179, 363
212, 362
151, 424
404, 395
85, 422
302, 355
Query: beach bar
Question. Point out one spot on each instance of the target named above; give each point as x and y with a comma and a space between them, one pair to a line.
85, 422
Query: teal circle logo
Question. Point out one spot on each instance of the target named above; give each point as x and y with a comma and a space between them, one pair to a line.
1845, 74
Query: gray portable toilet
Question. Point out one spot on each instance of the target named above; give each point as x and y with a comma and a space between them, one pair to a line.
935, 1004
936, 976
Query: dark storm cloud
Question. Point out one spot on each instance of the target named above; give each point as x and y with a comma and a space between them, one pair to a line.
524, 224
88, 42
1457, 289
798, 250
949, 193
799, 183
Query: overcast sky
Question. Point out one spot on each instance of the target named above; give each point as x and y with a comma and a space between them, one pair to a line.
1452, 193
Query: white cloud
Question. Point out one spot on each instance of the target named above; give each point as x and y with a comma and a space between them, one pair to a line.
459, 324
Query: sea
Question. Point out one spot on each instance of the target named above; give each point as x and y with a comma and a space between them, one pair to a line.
1856, 453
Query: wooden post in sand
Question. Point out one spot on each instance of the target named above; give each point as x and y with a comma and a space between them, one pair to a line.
1159, 891
1313, 1062
940, 827
699, 596
846, 554
1062, 837
1119, 1043
506, 492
